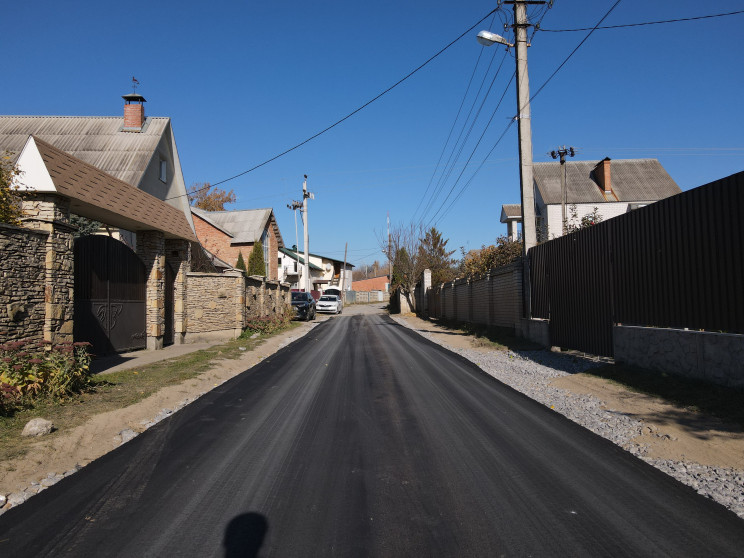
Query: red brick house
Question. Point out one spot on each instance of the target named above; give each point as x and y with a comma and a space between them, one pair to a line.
227, 234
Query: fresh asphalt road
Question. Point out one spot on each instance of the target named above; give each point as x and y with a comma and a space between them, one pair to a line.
364, 439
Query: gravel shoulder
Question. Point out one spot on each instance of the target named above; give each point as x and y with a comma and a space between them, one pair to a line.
698, 450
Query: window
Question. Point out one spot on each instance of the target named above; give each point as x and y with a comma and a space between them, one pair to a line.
163, 171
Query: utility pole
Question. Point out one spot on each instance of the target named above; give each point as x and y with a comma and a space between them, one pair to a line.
529, 234
306, 239
343, 271
562, 152
294, 206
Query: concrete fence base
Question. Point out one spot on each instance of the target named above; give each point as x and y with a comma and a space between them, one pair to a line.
703, 355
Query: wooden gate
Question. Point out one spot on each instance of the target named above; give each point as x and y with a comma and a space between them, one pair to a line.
110, 291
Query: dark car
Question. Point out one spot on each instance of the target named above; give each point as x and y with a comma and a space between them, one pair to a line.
304, 306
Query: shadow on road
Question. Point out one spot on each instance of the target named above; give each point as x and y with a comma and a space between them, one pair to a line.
245, 535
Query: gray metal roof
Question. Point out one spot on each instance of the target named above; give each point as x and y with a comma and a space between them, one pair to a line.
245, 226
511, 212
631, 179
98, 141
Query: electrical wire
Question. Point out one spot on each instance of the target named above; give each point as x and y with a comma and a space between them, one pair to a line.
365, 105
462, 190
644, 23
593, 29
449, 136
488, 124
451, 163
520, 108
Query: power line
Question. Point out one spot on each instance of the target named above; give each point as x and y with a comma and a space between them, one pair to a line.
449, 168
365, 105
644, 23
516, 117
472, 153
592, 30
452, 128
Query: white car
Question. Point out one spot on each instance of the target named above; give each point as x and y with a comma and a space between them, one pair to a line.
330, 303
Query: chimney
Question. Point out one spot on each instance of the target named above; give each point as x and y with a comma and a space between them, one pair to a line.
602, 175
134, 112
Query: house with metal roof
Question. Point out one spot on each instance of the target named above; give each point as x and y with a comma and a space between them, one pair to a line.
138, 150
611, 187
229, 234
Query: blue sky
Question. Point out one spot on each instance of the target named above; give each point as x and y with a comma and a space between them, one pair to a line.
244, 81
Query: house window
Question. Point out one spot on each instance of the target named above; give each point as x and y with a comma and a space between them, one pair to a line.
163, 171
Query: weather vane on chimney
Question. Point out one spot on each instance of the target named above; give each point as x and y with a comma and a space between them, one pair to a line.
135, 83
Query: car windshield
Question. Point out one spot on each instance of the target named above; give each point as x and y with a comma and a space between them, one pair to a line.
328, 298
298, 296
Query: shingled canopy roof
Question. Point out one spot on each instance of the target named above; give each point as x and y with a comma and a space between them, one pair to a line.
95, 194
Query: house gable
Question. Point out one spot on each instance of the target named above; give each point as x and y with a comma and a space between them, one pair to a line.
103, 143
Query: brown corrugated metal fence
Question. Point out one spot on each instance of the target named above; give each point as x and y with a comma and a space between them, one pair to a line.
676, 263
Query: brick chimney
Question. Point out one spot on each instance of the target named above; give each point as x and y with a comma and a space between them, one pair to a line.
134, 112
602, 175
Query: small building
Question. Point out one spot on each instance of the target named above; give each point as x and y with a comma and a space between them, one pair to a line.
612, 187
228, 234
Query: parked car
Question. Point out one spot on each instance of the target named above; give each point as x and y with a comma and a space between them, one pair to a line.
330, 303
304, 306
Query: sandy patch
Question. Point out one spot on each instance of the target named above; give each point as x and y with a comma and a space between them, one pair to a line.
669, 432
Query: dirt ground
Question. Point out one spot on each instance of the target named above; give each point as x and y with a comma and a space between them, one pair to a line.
669, 432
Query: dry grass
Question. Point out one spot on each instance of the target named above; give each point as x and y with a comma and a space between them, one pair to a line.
115, 391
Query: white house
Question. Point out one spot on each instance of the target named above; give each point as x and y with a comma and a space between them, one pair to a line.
612, 187
325, 272
138, 150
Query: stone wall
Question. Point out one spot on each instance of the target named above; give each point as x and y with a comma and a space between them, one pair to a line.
51, 214
151, 250
22, 282
714, 357
215, 305
265, 298
178, 257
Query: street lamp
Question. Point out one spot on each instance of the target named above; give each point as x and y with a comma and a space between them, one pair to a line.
529, 232
486, 38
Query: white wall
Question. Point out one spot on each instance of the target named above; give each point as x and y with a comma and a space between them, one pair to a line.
606, 210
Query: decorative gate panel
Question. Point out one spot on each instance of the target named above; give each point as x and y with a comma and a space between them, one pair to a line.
109, 295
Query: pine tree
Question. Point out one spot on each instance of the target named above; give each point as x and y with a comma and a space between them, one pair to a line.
241, 263
256, 264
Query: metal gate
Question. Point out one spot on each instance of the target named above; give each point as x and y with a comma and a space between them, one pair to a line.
109, 295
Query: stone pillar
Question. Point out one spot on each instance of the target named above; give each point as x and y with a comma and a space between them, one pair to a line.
151, 250
426, 288
178, 256
51, 213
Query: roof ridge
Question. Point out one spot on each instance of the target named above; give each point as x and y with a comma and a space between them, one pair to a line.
71, 116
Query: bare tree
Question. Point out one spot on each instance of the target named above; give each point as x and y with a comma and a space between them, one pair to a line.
403, 248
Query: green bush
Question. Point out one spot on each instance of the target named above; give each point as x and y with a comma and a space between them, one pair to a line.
34, 369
